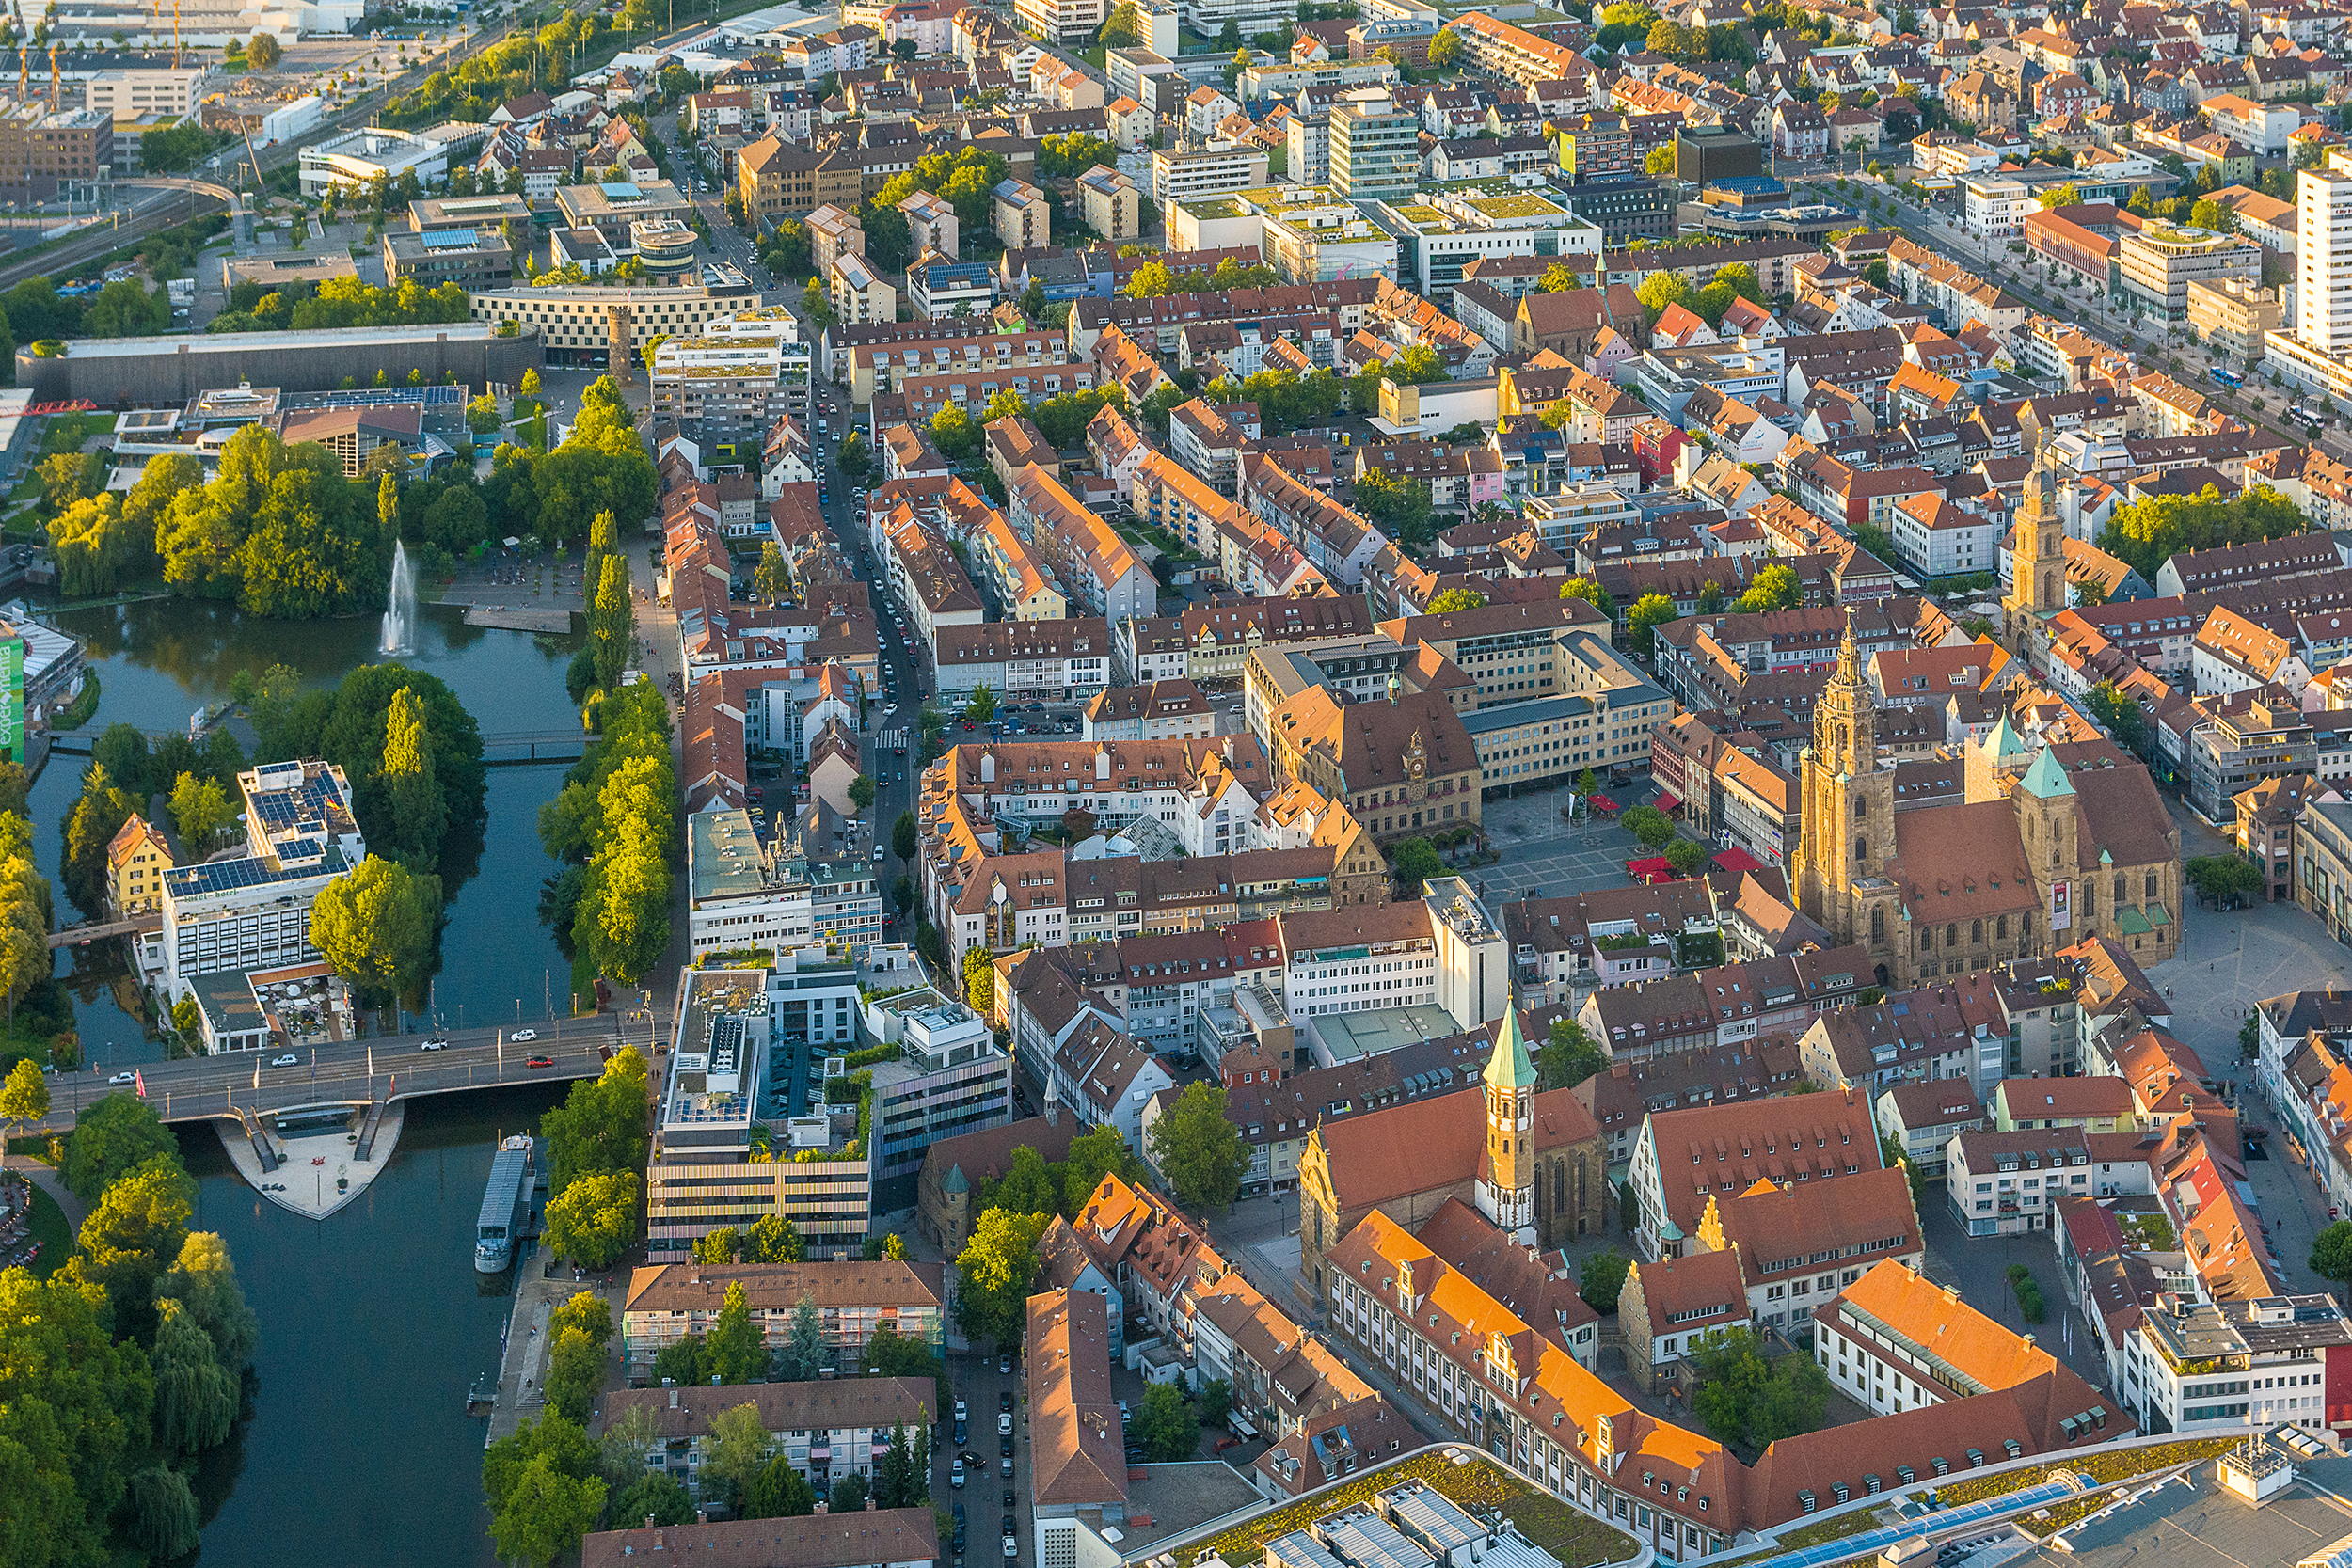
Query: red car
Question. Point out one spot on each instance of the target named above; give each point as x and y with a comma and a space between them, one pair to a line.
540, 1061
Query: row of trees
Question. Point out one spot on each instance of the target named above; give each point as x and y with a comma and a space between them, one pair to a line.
126, 1365
615, 826
1062, 420
338, 302
2149, 532
597, 1148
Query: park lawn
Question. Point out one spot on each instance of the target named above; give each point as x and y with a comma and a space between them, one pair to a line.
54, 1236
67, 431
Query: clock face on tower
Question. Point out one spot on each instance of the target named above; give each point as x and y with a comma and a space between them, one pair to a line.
1416, 760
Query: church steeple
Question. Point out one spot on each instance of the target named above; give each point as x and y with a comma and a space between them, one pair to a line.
1849, 806
1507, 1191
2037, 567
1845, 719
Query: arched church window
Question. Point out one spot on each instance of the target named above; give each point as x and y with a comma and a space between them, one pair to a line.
1861, 846
2120, 894
1976, 931
2153, 889
2000, 930
1878, 925
1951, 934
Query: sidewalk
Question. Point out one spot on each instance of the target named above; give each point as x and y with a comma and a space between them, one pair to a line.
41, 1176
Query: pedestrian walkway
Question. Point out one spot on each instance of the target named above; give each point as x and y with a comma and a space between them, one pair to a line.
41, 1176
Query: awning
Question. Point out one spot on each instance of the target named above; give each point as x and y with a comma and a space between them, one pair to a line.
1649, 866
1737, 860
1603, 804
1669, 802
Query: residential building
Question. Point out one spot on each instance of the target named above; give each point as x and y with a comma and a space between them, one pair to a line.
2196, 1368
1375, 153
825, 1429
881, 1538
2011, 1183
1076, 1464
137, 858
1019, 217
665, 1301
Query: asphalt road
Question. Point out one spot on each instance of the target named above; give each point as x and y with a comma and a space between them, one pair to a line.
248, 1080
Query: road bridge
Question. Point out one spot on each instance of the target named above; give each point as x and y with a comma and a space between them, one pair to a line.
360, 1073
89, 931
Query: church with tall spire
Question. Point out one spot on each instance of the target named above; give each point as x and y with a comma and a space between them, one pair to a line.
2037, 580
2050, 843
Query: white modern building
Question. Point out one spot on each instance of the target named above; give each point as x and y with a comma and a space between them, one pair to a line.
253, 910
2312, 354
2198, 1368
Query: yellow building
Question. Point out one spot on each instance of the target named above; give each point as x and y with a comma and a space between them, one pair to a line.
136, 859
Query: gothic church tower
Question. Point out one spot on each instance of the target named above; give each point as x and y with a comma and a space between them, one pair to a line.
1847, 804
1507, 1191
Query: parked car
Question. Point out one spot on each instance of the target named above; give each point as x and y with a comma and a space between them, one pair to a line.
962, 1432
955, 1474
1004, 1399
290, 1059
1004, 1426
1004, 1358
1004, 1443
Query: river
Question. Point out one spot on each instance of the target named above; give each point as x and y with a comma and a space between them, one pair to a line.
373, 1323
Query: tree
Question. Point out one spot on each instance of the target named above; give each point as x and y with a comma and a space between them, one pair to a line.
196, 1396
1198, 1153
848, 1494
893, 1472
201, 807
375, 924
262, 53
96, 818
1601, 1277
890, 1247
979, 979
1891, 1155
547, 1514
1456, 598
778, 1492
1215, 1401
613, 622
1773, 588
653, 1499
904, 836
1414, 863
1648, 824
679, 1363
575, 1373
1092, 1157
804, 1355
110, 1139
1163, 1426
1743, 1399
418, 808
996, 1268
24, 1097
1660, 162
1649, 612
772, 579
774, 1239
164, 1513
982, 707
738, 1447
594, 1219
1445, 50
1569, 1056
1591, 593
735, 1349
139, 1223
601, 1124
1685, 856
2219, 876
718, 1248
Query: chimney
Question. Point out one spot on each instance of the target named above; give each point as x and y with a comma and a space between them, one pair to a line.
673, 1398
820, 1506
649, 1521
702, 1515
869, 1503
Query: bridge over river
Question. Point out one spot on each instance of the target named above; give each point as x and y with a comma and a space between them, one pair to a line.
243, 1091
500, 748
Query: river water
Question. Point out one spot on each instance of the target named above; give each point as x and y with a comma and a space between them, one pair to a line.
373, 1322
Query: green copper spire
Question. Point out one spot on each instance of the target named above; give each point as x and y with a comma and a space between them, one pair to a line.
1511, 1068
2045, 780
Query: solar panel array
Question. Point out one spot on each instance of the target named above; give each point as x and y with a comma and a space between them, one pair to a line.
1869, 1541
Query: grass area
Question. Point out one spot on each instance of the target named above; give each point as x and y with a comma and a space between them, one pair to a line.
1478, 1485
1830, 1530
2117, 1465
83, 708
54, 1236
67, 431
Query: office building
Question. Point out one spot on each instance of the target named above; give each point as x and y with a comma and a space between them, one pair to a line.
729, 388
1705, 153
1376, 149
947, 1078
253, 910
2156, 264
469, 258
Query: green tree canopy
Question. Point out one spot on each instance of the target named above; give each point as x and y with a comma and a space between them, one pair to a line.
594, 1219
994, 1270
1198, 1153
1163, 1424
111, 1138
375, 925
1601, 1277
